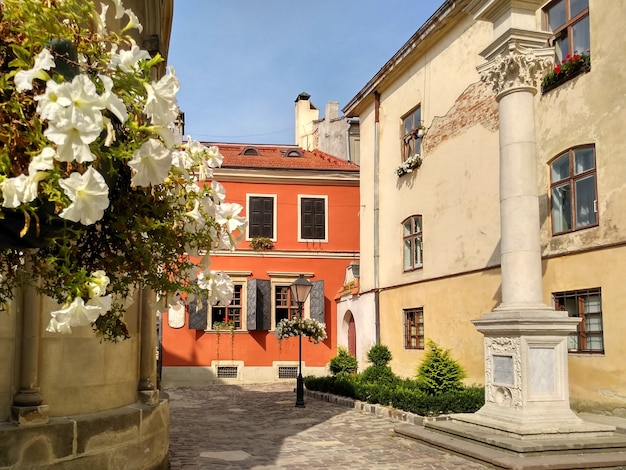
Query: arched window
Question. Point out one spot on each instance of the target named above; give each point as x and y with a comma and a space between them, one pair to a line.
251, 151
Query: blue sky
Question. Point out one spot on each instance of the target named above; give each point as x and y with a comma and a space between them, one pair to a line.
242, 63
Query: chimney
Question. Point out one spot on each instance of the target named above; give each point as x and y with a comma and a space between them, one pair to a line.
332, 110
306, 113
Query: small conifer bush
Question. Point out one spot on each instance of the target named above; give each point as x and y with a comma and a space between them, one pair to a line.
439, 372
379, 355
343, 362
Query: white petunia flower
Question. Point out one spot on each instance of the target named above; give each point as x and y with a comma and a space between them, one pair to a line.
111, 101
54, 100
89, 194
13, 191
77, 313
73, 139
127, 61
55, 327
218, 285
24, 78
119, 9
98, 283
217, 191
103, 303
214, 157
161, 106
42, 161
228, 214
133, 21
151, 164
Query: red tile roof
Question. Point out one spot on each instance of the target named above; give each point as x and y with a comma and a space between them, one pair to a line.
274, 156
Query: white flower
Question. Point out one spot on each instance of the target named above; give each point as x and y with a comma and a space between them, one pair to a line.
161, 106
127, 61
97, 284
55, 327
119, 9
218, 284
24, 78
133, 21
151, 164
13, 191
111, 101
77, 313
73, 139
228, 214
214, 157
54, 100
85, 101
42, 161
217, 191
103, 303
89, 194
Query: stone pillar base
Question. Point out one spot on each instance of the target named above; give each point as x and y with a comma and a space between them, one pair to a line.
149, 397
29, 415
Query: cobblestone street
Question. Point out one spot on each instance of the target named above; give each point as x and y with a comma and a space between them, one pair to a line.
258, 427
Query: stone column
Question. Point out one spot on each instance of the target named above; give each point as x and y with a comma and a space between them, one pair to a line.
27, 406
148, 392
526, 377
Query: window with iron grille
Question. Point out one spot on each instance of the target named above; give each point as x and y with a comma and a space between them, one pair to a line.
261, 216
287, 372
569, 21
412, 242
229, 313
284, 306
587, 305
573, 190
411, 140
313, 218
414, 328
226, 372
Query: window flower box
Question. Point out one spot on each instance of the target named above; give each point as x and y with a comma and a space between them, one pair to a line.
409, 165
570, 67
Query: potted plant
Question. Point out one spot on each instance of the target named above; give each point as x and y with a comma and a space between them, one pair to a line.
309, 327
261, 243
571, 66
409, 165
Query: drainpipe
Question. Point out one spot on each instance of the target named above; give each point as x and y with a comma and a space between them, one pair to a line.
376, 213
349, 121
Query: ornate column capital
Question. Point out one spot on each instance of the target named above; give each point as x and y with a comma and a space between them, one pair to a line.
518, 68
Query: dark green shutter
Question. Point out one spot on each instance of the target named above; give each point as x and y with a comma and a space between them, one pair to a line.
318, 301
258, 305
198, 309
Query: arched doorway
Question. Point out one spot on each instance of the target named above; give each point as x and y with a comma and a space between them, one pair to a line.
351, 335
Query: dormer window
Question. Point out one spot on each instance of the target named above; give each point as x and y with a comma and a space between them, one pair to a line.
294, 153
253, 151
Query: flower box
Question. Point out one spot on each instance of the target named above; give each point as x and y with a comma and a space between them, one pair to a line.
571, 66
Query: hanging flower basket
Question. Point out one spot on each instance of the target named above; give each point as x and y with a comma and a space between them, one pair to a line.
409, 165
313, 329
96, 198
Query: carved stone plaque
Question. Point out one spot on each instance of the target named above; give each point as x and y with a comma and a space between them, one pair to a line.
503, 369
176, 315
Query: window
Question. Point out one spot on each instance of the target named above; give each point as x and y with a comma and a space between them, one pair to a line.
573, 190
252, 151
587, 305
284, 306
412, 242
411, 141
414, 328
569, 21
312, 218
230, 313
261, 216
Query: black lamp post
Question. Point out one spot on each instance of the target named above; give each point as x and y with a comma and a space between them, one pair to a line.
300, 289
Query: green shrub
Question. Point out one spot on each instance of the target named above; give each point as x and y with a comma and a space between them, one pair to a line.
343, 362
439, 372
379, 355
379, 374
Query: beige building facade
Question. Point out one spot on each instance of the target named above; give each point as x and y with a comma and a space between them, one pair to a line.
431, 237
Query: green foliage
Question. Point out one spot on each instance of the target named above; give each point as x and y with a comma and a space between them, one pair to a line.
402, 394
261, 243
379, 374
343, 362
439, 372
379, 355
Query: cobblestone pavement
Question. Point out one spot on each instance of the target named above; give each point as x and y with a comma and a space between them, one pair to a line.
258, 427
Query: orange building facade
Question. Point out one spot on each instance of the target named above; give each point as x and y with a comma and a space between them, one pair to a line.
303, 218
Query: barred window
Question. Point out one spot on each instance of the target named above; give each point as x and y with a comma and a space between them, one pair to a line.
414, 328
587, 305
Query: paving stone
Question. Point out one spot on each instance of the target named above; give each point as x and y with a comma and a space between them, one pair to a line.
258, 427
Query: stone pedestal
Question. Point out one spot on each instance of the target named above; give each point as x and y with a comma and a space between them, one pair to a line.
526, 386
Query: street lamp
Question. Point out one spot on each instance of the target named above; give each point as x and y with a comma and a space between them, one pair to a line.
300, 289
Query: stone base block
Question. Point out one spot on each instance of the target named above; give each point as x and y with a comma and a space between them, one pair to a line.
30, 415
